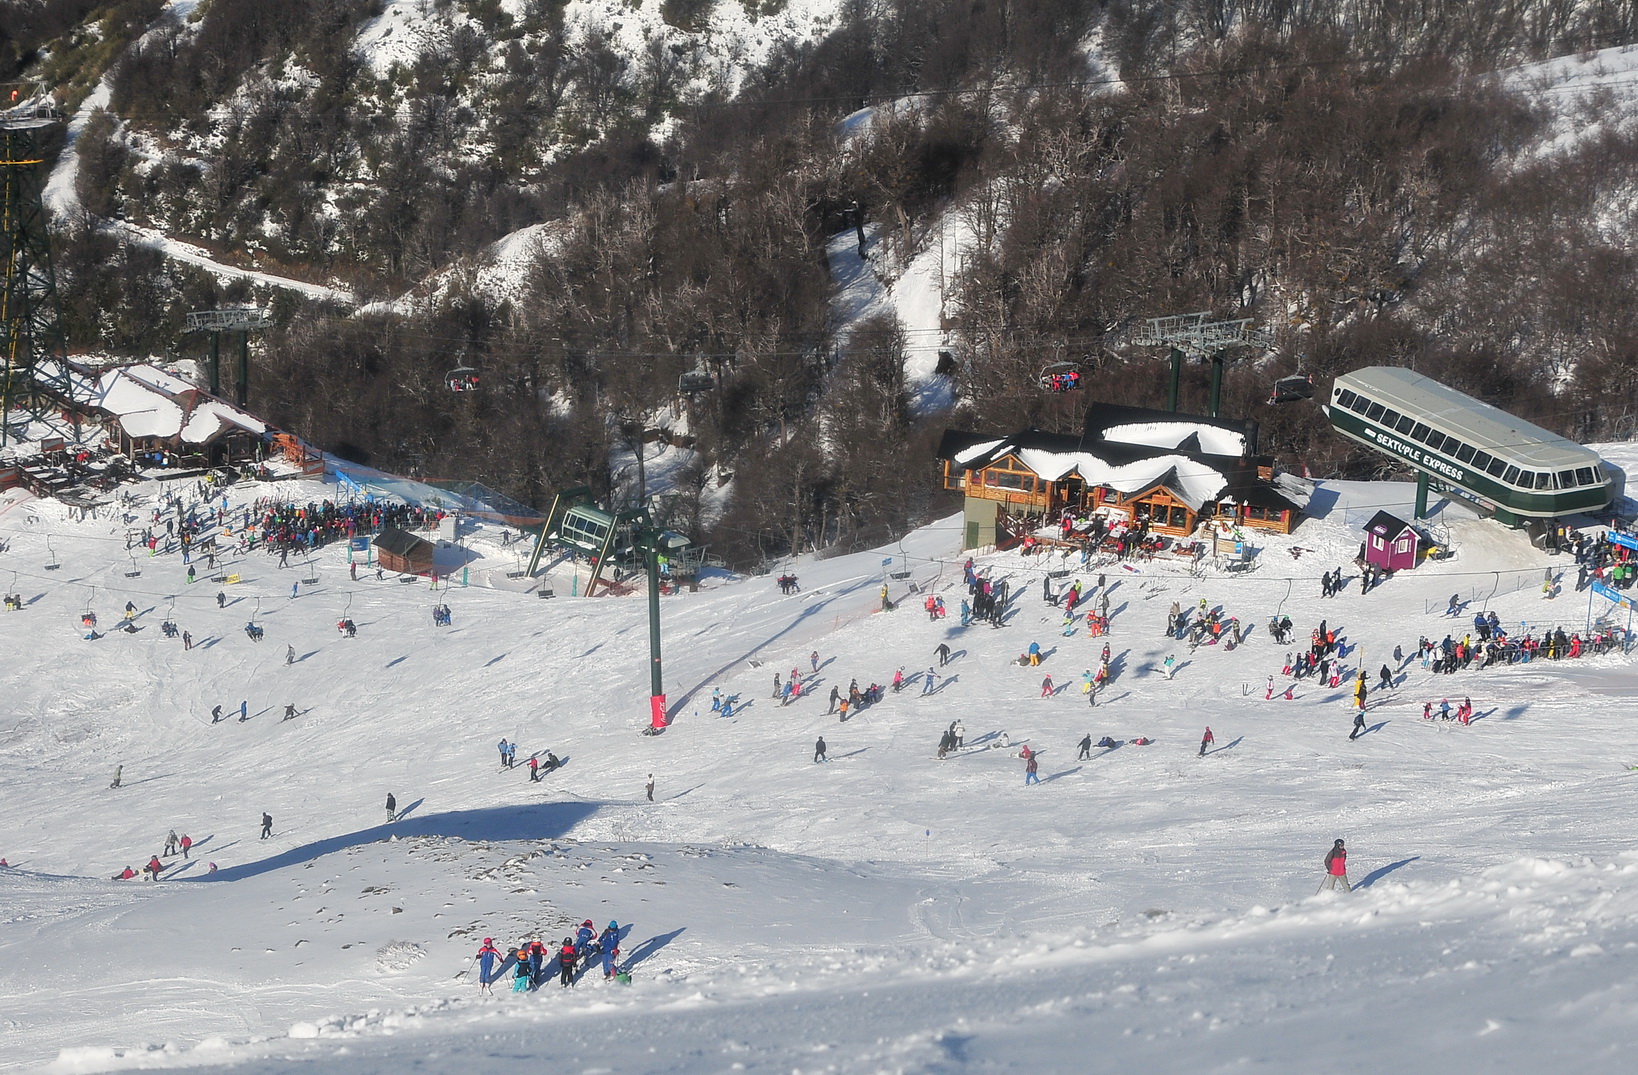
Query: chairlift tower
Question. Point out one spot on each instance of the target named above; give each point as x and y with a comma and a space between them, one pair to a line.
1194, 334
30, 317
240, 319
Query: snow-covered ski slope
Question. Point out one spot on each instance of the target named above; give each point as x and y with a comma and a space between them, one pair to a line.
1146, 910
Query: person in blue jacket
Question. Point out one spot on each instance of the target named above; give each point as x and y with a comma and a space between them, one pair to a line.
609, 943
486, 961
583, 939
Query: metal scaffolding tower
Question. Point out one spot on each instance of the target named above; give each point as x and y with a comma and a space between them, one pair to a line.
1194, 334
31, 341
244, 321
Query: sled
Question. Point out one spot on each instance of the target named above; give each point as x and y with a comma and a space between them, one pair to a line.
623, 977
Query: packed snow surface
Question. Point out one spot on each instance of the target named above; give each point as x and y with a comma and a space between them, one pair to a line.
1146, 909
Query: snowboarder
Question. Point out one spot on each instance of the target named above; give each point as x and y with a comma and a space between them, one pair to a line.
1086, 749
649, 787
392, 808
290, 655
1384, 678
153, 868
221, 598
1205, 741
1170, 665
1336, 868
267, 825
118, 769
1359, 725
1046, 687
244, 710
943, 652
290, 711
819, 750
836, 694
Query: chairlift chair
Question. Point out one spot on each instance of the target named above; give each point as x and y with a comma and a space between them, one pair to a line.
1060, 377
1298, 386
462, 379
695, 381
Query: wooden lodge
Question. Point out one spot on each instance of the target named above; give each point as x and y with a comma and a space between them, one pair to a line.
1168, 471
401, 551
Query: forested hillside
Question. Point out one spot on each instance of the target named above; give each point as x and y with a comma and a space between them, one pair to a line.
1354, 175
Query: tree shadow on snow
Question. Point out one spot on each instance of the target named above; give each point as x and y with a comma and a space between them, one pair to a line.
1382, 871
649, 947
538, 821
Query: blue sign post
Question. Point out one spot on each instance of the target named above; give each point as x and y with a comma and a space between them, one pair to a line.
1619, 599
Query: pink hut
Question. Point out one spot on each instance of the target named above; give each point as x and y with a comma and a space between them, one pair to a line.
1391, 542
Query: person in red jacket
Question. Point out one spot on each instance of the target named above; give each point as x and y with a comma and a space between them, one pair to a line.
153, 868
1336, 868
1206, 741
567, 957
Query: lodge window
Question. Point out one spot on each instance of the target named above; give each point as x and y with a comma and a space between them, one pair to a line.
1405, 423
1464, 453
1359, 405
1584, 476
1481, 460
1566, 479
1511, 477
1390, 417
1544, 480
1375, 412
1496, 467
1346, 398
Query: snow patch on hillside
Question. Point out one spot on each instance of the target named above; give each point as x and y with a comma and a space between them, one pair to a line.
1587, 95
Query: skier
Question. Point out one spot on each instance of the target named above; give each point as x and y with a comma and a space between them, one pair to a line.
221, 599
819, 750
290, 711
1170, 665
1046, 687
1032, 773
534, 768
776, 685
244, 710
118, 769
1384, 678
1205, 741
813, 661
927, 685
501, 746
537, 961
649, 787
170, 844
566, 959
187, 641
898, 681
290, 655
392, 808
267, 825
943, 652
186, 844
486, 961
960, 731
1086, 749
836, 693
1336, 868
608, 943
522, 977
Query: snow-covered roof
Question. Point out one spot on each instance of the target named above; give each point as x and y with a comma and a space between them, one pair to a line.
148, 402
1195, 483
1213, 440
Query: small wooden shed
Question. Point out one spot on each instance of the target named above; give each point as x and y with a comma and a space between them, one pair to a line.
399, 550
1391, 542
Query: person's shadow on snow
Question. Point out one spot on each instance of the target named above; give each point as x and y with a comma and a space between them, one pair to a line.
649, 947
